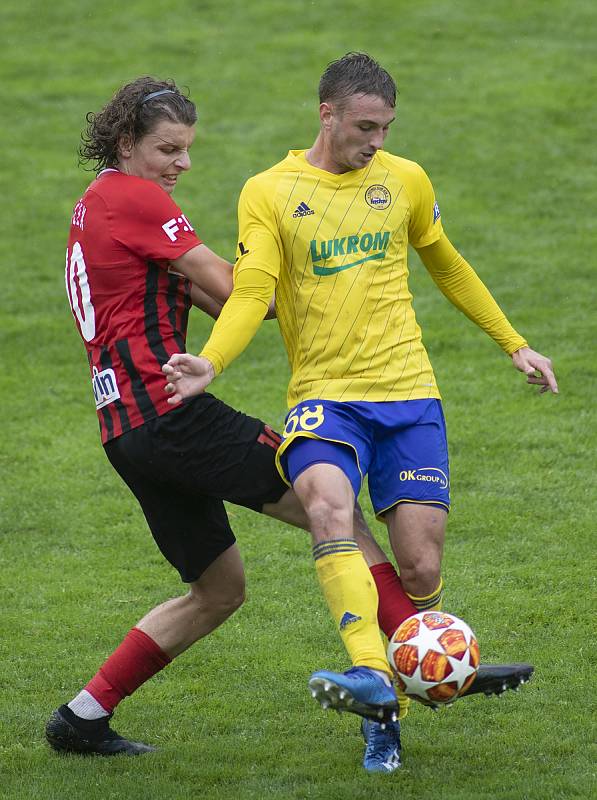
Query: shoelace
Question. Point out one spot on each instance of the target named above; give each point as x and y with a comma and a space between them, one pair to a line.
380, 741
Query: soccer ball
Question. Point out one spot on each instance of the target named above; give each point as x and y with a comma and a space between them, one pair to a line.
434, 656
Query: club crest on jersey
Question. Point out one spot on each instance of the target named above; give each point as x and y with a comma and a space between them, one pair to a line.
436, 214
105, 388
377, 196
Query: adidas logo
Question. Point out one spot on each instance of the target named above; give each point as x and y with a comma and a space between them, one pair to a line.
348, 619
303, 210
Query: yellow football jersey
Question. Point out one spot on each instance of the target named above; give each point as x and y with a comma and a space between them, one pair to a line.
337, 246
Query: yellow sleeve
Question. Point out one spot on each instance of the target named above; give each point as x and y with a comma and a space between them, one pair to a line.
255, 276
259, 243
463, 287
240, 318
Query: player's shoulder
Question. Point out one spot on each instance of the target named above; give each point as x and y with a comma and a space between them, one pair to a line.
408, 174
401, 167
122, 192
268, 178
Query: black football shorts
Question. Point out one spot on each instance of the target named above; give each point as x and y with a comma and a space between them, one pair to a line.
183, 465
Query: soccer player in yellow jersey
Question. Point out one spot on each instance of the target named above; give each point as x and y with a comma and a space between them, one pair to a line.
327, 230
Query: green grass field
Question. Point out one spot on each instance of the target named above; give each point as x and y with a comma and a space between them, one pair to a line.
497, 102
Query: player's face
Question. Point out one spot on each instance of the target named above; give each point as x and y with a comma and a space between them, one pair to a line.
159, 156
357, 130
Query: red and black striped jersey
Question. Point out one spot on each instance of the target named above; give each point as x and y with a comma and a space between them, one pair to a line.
131, 309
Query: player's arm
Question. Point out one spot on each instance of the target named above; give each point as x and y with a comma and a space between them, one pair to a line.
240, 318
463, 287
233, 330
204, 302
255, 279
216, 279
210, 275
151, 224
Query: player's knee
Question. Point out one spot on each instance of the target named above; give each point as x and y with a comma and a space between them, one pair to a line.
222, 603
226, 603
327, 515
420, 577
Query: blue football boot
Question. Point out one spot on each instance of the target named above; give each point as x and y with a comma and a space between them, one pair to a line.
360, 690
382, 753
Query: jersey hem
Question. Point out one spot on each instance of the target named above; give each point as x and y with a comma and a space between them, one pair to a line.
357, 397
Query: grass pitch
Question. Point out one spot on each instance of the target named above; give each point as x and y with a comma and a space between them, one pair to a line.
496, 103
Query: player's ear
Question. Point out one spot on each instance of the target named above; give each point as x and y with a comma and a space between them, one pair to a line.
125, 145
326, 112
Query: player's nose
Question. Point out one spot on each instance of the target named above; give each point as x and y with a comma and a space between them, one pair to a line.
183, 161
376, 140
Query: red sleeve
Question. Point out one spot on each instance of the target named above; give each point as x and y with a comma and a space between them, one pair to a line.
147, 221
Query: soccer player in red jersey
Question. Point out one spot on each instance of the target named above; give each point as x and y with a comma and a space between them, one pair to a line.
134, 266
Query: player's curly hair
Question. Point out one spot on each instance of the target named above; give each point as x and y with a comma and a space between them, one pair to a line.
356, 73
134, 113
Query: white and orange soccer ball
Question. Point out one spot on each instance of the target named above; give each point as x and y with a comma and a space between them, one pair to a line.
434, 656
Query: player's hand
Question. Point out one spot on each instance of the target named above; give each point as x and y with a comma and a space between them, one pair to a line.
187, 376
537, 368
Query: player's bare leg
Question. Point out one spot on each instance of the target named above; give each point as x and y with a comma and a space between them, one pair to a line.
82, 726
328, 499
176, 624
288, 509
417, 534
368, 544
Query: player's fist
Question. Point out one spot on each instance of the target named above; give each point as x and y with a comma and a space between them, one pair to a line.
187, 376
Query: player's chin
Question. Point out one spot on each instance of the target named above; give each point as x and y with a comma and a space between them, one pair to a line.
168, 185
363, 160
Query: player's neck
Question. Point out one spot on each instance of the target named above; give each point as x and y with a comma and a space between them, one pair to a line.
320, 156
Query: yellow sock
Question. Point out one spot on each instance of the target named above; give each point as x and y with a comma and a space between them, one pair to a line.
403, 700
350, 593
430, 602
403, 703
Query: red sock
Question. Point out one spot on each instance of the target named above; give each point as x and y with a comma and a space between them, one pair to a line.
394, 604
133, 662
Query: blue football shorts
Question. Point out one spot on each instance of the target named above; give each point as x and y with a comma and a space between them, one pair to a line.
401, 445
